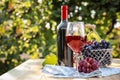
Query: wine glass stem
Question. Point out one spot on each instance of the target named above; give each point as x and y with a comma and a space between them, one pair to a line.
78, 57
76, 60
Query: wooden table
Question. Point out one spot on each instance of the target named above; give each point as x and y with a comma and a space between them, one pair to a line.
32, 70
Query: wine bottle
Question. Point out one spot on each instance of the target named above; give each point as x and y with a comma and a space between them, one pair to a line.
64, 53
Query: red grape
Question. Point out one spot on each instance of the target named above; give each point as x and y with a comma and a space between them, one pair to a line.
81, 63
95, 66
88, 59
89, 70
84, 69
92, 61
80, 68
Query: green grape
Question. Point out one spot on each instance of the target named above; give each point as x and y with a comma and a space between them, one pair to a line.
93, 35
50, 59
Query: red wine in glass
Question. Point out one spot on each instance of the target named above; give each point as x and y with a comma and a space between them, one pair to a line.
76, 43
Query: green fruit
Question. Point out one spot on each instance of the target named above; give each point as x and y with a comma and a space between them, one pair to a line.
93, 35
50, 59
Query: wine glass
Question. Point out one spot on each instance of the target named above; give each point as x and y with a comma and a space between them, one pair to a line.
76, 39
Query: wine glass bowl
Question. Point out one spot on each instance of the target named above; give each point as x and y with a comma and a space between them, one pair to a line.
75, 36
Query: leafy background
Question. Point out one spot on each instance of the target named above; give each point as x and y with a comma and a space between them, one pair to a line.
28, 27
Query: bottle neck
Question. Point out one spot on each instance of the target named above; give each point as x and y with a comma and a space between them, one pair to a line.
64, 13
64, 20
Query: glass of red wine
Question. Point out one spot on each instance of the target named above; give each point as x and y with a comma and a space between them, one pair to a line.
76, 39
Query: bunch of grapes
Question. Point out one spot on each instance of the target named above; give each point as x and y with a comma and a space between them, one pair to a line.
100, 51
88, 65
97, 45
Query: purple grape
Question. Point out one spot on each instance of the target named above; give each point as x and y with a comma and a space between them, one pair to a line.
102, 41
96, 43
90, 48
108, 45
105, 46
93, 46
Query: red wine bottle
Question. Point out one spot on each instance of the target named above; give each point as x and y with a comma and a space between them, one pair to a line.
64, 53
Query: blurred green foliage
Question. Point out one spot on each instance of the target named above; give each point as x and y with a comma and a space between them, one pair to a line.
29, 26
